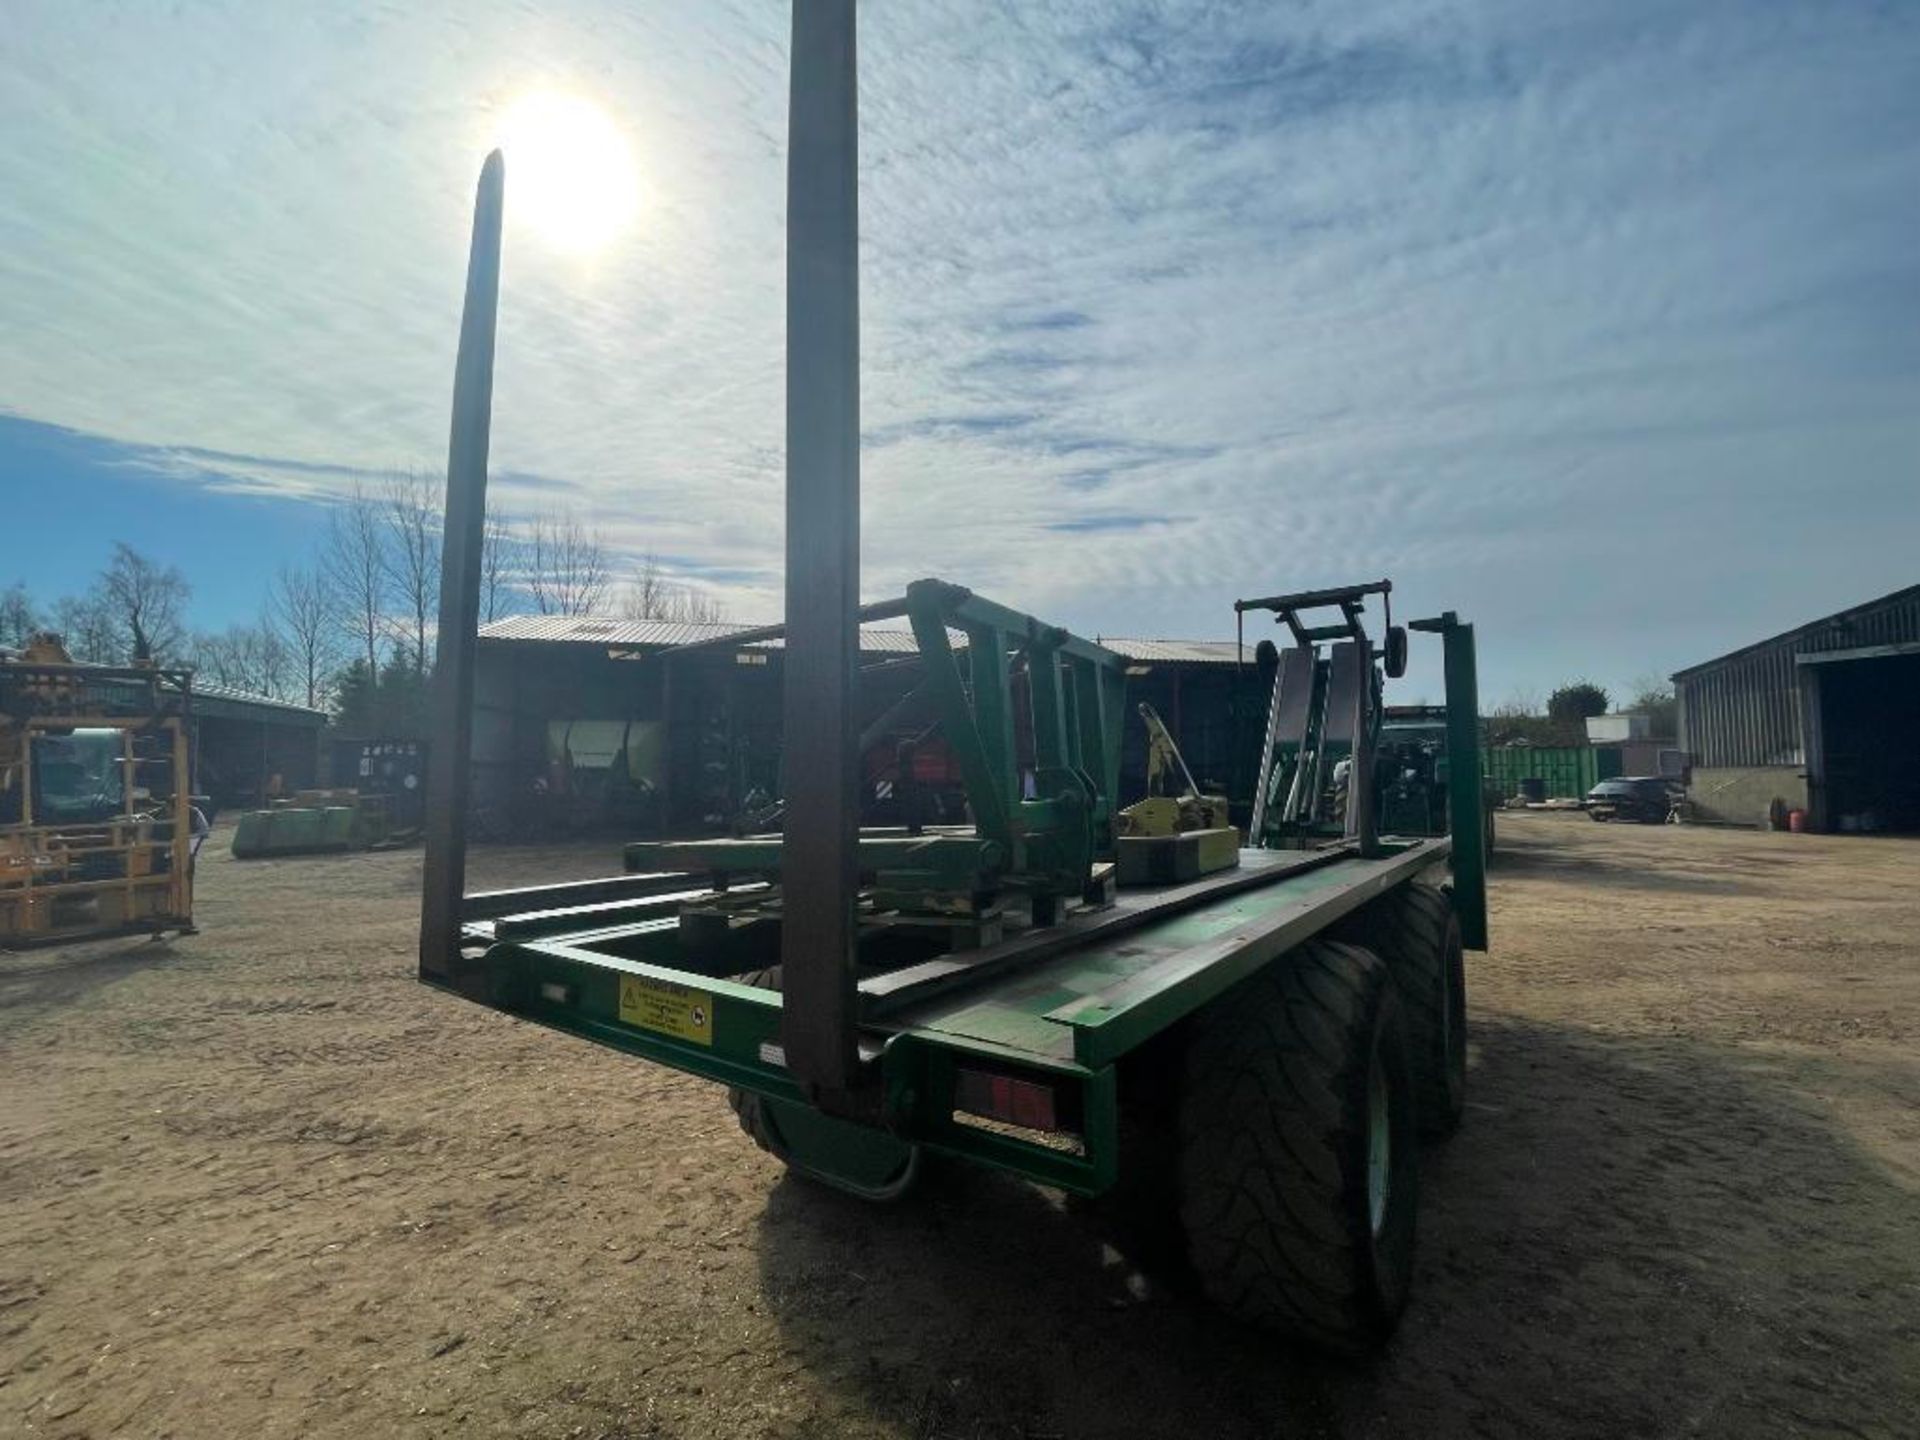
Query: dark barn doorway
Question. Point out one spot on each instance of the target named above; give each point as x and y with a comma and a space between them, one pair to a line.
1865, 764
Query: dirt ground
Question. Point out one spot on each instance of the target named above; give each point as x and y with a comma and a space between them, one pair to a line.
261, 1183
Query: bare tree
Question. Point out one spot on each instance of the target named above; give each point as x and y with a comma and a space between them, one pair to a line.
1521, 703
355, 571
147, 599
273, 662
650, 595
242, 657
567, 571
87, 627
411, 505
499, 549
647, 592
1653, 697
300, 609
19, 618
701, 605
213, 660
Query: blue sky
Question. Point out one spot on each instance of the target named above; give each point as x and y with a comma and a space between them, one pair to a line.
1598, 323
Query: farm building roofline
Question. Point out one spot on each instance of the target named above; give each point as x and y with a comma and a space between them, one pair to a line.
1838, 618
874, 639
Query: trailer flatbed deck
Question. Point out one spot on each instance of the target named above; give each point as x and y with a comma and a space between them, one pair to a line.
1056, 1007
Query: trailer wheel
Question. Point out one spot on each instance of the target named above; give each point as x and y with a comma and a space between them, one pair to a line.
1297, 1160
867, 1163
1416, 932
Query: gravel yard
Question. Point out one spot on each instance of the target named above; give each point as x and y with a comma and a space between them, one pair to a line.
259, 1182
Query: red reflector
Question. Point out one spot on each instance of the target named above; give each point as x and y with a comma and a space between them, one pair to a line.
1025, 1103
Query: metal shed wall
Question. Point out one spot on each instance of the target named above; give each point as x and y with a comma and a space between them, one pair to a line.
1744, 709
1743, 712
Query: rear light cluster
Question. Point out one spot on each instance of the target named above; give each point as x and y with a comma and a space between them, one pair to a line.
1026, 1103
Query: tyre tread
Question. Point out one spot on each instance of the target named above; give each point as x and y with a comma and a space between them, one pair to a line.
1267, 1204
1415, 931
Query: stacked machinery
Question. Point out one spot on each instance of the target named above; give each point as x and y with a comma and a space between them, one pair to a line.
95, 816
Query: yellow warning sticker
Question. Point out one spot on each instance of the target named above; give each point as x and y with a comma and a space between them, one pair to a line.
676, 1010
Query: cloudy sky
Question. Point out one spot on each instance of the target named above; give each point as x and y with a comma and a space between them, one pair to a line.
1599, 323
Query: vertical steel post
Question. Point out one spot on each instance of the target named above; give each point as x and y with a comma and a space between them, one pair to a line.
993, 708
1049, 707
981, 778
1813, 745
665, 818
182, 820
1466, 796
818, 875
444, 879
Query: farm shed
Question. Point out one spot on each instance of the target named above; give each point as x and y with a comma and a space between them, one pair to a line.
580, 723
242, 741
1212, 703
1823, 717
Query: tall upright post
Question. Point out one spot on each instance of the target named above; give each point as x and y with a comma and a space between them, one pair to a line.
443, 886
1466, 796
818, 875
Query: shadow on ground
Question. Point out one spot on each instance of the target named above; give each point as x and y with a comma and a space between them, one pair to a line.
1626, 1239
58, 976
1625, 872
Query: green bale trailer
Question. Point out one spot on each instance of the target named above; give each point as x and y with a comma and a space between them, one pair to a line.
1241, 1064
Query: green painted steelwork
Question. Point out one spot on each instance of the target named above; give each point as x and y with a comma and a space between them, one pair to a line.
985, 791
961, 860
1041, 820
1066, 1019
1466, 791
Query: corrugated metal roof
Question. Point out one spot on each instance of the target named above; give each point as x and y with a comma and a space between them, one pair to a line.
597, 630
1177, 652
664, 634
1891, 618
226, 700
1744, 708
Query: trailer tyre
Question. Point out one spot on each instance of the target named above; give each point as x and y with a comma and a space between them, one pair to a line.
1416, 932
1297, 1160
867, 1163
747, 1107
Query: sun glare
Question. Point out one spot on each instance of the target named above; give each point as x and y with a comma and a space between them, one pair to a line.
570, 174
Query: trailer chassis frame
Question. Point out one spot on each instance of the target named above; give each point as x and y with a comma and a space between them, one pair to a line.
881, 1063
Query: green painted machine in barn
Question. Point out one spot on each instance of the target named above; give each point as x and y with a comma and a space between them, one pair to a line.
1245, 1058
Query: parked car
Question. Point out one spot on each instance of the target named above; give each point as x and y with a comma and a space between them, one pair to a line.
1646, 798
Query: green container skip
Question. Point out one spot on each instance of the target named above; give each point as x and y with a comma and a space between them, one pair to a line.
298, 830
1567, 772
336, 827
253, 837
262, 834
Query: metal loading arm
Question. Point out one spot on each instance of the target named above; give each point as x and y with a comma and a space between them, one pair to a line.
1320, 705
1349, 599
1163, 753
